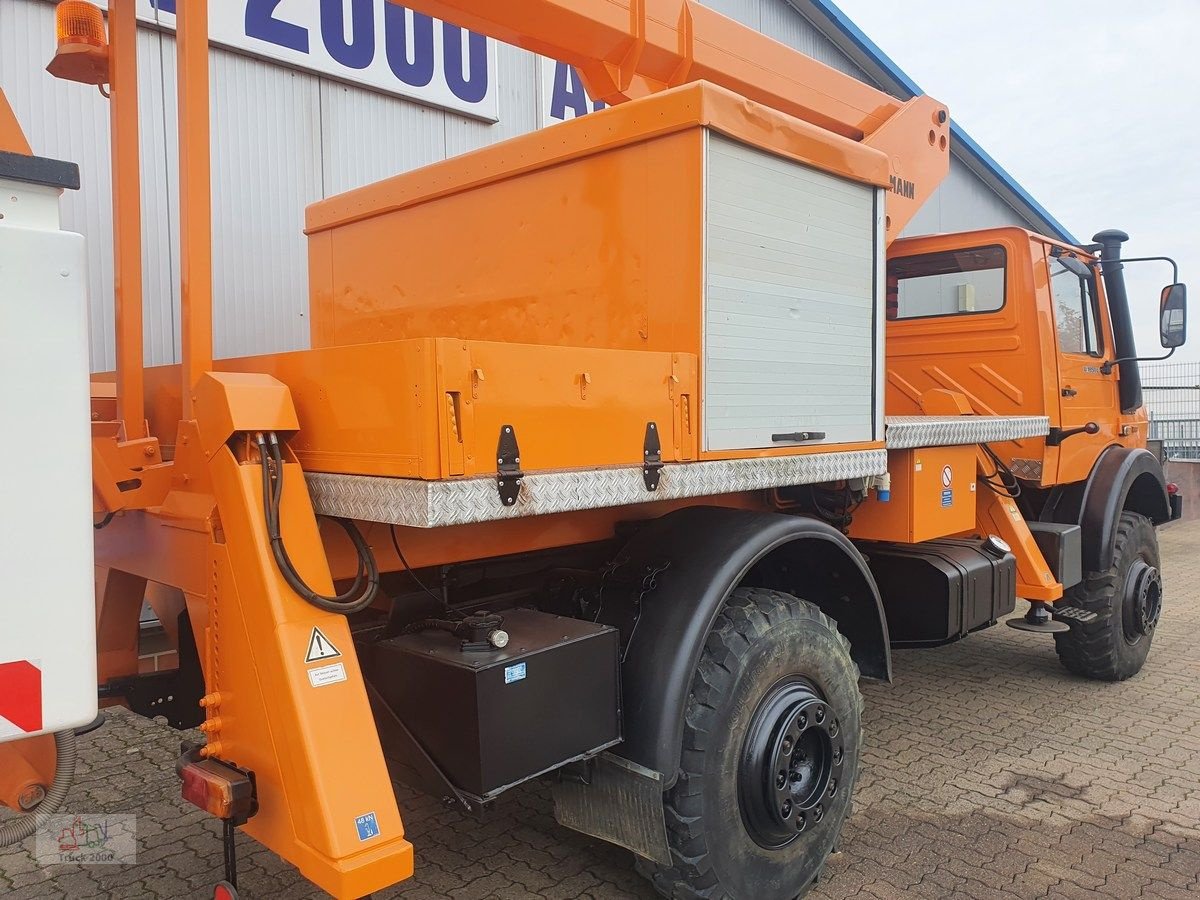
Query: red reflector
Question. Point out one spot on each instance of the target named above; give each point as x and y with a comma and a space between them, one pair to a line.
224, 891
1172, 487
220, 790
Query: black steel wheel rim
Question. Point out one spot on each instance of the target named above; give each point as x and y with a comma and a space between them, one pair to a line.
790, 767
1142, 604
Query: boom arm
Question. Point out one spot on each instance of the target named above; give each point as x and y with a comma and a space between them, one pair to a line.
625, 49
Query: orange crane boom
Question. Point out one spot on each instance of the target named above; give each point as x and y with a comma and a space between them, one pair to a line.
626, 49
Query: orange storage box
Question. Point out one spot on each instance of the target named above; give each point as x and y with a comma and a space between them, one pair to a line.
693, 224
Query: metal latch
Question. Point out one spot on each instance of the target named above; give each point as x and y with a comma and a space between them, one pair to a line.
508, 466
652, 463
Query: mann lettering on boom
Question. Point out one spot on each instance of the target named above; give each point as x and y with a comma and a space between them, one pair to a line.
903, 187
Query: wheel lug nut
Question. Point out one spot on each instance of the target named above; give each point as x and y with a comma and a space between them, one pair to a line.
780, 780
800, 821
837, 755
820, 714
818, 813
802, 721
787, 746
834, 728
832, 786
786, 809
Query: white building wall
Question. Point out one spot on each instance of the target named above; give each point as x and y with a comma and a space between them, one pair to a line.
283, 138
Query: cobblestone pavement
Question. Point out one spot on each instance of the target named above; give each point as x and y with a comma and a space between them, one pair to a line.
989, 773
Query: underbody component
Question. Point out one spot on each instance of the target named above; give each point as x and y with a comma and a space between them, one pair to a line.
494, 717
174, 693
939, 591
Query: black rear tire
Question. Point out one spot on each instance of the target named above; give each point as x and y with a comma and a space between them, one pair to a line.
1127, 600
775, 694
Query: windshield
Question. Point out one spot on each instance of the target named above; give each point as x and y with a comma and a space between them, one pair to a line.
1075, 310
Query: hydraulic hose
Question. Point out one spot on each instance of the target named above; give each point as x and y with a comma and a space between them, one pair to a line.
362, 591
16, 830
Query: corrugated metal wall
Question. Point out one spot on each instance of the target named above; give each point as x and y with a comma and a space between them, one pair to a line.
283, 138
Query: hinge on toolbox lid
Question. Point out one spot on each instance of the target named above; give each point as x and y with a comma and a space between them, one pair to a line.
508, 466
651, 457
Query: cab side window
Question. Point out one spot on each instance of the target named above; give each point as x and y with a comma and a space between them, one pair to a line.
951, 283
1075, 310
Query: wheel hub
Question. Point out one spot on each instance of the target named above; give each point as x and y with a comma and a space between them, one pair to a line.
791, 763
1143, 599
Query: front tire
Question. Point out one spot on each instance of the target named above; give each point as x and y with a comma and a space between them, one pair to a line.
1127, 600
770, 756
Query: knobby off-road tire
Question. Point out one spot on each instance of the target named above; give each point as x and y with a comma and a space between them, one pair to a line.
1127, 599
771, 746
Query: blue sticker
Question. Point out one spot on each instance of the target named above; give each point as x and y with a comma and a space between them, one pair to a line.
514, 673
947, 497
368, 826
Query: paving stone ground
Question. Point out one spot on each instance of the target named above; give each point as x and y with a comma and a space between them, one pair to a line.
989, 772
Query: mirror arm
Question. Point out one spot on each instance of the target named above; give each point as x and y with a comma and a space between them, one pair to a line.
1110, 364
1092, 248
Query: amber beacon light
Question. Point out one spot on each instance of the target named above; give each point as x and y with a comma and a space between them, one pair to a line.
82, 53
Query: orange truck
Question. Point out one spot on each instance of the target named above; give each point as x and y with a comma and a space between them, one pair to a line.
628, 500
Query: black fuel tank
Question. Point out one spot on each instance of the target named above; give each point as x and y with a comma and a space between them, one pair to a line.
939, 591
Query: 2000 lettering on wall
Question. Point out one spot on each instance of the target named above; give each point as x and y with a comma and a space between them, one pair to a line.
371, 42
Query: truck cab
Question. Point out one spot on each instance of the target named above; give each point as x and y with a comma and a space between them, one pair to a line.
1018, 323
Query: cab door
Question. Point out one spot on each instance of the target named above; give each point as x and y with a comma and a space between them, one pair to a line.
1086, 394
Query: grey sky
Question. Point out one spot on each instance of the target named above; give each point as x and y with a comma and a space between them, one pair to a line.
1094, 109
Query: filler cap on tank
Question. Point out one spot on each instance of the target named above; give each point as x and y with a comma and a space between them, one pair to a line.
997, 547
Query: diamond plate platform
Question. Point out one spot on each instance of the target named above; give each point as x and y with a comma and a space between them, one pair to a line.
908, 432
463, 501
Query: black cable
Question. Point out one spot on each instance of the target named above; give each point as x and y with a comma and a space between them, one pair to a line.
1002, 481
409, 569
103, 522
357, 597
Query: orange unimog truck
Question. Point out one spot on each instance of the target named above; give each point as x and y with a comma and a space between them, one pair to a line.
629, 499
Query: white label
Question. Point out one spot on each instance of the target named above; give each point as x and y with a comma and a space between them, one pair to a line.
514, 673
323, 675
374, 43
947, 476
320, 647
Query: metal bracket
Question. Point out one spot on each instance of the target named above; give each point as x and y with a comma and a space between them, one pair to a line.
652, 463
508, 466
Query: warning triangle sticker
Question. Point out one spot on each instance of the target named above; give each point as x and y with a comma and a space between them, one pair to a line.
320, 647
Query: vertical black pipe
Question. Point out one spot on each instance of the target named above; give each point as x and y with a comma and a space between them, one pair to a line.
1130, 386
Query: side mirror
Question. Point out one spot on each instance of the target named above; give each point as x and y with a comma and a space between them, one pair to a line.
1172, 316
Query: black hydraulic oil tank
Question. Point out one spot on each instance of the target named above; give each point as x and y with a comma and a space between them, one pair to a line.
493, 718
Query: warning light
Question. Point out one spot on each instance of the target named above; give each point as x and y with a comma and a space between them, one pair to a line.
220, 789
82, 53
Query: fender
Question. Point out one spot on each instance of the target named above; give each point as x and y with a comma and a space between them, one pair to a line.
669, 583
1122, 479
